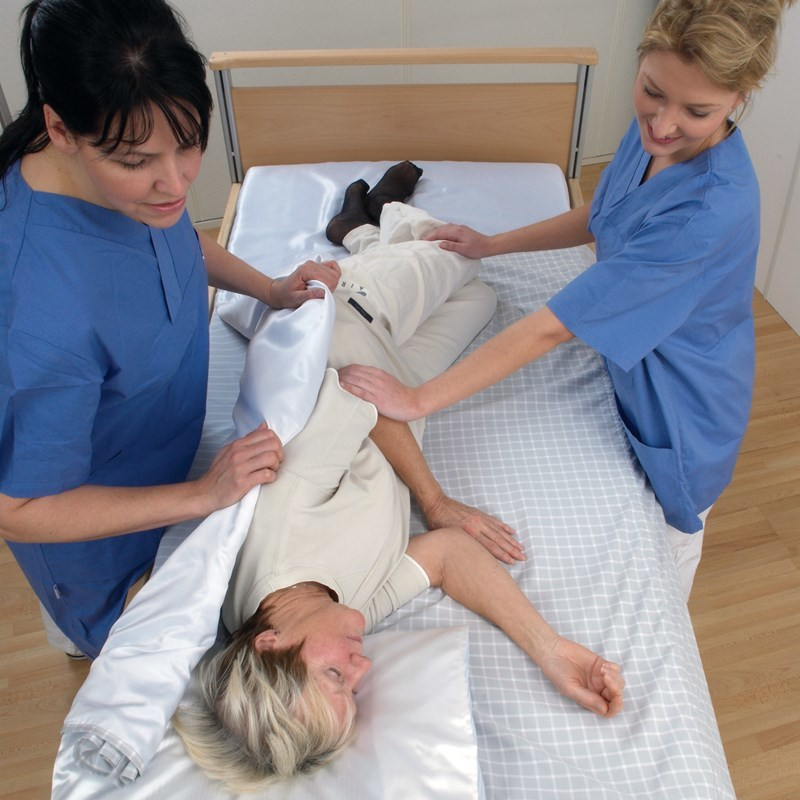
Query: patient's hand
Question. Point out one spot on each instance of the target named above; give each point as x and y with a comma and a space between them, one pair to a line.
497, 537
461, 239
292, 290
584, 677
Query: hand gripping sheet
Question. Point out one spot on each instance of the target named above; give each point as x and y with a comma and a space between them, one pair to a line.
152, 649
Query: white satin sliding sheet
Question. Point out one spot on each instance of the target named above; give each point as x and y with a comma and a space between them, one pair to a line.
147, 661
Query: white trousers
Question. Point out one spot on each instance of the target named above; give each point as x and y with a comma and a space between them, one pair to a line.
687, 548
56, 637
423, 304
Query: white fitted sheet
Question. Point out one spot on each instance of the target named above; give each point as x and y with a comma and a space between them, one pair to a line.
543, 450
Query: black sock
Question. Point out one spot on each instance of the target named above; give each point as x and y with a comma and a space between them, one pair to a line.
352, 215
396, 185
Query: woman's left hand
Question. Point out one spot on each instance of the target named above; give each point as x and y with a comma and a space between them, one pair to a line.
293, 290
392, 398
584, 677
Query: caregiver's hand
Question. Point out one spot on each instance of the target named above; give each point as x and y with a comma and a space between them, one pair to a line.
392, 398
461, 239
292, 290
239, 466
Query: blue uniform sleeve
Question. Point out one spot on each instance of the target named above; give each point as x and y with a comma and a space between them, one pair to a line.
51, 397
626, 305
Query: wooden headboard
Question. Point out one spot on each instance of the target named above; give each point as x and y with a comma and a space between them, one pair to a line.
520, 121
531, 121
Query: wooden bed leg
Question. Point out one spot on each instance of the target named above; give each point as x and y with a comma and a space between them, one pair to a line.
575, 194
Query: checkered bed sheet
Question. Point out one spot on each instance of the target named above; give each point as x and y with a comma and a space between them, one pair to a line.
544, 450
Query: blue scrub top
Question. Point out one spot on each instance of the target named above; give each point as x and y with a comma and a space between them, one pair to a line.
669, 306
103, 371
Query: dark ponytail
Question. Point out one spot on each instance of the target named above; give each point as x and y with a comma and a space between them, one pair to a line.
104, 66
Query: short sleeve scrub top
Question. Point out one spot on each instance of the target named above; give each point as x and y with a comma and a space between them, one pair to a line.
103, 371
669, 305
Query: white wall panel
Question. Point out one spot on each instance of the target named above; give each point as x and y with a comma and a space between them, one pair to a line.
783, 288
772, 131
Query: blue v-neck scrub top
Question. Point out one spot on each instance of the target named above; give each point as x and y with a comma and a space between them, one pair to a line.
669, 305
103, 370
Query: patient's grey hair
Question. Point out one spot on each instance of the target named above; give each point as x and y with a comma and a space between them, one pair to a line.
262, 719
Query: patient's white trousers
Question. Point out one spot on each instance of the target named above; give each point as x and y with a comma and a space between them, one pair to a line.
426, 299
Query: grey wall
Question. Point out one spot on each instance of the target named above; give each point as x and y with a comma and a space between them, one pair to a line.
611, 26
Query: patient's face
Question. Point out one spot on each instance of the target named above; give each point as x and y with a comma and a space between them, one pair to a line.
333, 652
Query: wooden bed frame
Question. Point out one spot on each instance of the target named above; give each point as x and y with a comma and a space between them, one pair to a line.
526, 121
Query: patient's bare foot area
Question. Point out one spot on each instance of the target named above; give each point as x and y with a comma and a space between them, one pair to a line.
353, 213
396, 186
497, 537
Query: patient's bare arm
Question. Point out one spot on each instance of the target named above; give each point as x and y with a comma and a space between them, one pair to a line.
469, 575
398, 445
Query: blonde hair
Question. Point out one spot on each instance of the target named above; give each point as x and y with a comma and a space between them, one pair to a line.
733, 42
262, 718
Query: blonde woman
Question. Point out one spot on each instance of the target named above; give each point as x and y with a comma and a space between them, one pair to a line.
328, 553
668, 303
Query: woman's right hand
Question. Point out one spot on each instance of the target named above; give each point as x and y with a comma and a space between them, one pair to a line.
239, 466
461, 239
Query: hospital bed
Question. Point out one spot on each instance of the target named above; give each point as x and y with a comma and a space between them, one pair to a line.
452, 708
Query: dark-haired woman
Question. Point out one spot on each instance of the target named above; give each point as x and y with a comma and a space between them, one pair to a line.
103, 308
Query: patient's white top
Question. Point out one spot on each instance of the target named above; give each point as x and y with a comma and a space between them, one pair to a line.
338, 515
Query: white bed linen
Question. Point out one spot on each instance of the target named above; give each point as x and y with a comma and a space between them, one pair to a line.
545, 451
283, 210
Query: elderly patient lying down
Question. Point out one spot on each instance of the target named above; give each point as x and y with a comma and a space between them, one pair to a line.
328, 553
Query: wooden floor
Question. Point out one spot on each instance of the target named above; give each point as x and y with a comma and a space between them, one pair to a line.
745, 607
746, 604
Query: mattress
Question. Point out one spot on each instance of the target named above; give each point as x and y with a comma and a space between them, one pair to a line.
543, 450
